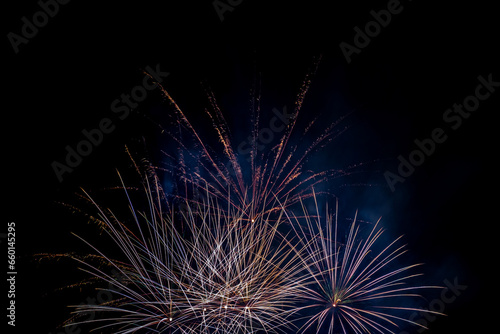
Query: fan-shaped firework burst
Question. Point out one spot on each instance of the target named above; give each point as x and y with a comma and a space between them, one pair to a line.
253, 182
354, 284
204, 271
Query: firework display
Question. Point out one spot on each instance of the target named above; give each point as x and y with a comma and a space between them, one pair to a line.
232, 256
231, 166
208, 269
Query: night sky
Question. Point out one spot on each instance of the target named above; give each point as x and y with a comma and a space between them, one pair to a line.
395, 88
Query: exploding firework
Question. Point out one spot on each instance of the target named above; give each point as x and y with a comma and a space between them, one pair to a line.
200, 272
352, 286
253, 182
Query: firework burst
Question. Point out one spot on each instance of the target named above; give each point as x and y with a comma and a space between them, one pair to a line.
200, 272
353, 285
253, 182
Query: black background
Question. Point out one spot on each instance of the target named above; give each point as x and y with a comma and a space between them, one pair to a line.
398, 87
